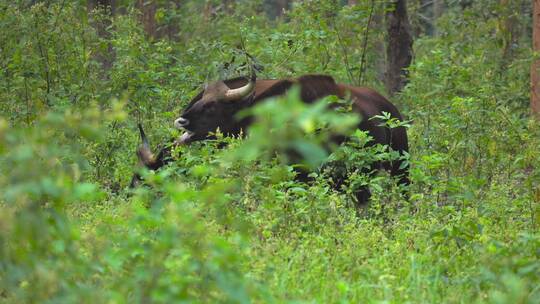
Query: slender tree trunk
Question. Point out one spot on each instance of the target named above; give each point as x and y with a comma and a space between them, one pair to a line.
107, 4
535, 67
148, 17
228, 6
171, 29
378, 44
399, 47
424, 21
108, 7
208, 11
438, 9
465, 4
509, 29
281, 6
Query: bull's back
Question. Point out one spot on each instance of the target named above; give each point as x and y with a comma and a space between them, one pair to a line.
369, 103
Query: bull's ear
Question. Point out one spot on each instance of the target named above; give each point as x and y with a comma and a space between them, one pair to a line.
146, 157
215, 91
276, 89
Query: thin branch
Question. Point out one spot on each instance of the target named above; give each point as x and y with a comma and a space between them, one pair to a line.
426, 4
45, 58
364, 47
427, 19
345, 54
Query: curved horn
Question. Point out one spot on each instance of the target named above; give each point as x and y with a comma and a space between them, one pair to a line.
144, 139
241, 92
146, 157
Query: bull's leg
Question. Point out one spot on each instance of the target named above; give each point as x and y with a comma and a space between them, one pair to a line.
400, 143
362, 196
302, 175
136, 179
403, 177
339, 176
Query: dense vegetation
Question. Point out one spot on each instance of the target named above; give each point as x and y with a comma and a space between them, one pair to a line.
232, 224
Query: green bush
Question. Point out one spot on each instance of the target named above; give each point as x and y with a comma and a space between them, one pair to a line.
227, 221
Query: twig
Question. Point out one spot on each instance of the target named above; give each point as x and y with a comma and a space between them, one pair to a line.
345, 55
45, 58
27, 101
364, 47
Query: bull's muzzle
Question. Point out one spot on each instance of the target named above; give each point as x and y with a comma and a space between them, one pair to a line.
181, 122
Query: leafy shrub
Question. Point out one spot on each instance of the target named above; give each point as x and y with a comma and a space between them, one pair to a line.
219, 226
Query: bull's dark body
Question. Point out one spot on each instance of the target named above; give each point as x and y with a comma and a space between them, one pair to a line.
207, 116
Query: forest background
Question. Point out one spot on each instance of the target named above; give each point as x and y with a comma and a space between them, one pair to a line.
214, 226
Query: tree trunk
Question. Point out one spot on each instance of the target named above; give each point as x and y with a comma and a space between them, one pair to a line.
208, 11
508, 29
281, 6
465, 4
108, 7
438, 9
171, 29
148, 17
535, 76
378, 44
425, 21
399, 47
228, 6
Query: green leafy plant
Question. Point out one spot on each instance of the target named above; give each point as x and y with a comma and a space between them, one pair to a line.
227, 221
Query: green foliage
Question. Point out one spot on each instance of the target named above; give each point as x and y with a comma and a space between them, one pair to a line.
227, 221
288, 127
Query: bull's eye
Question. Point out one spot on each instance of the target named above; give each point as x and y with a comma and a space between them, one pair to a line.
209, 107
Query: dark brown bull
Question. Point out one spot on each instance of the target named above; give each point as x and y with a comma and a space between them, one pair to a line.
217, 105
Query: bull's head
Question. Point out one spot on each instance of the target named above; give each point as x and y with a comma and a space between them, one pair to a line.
215, 109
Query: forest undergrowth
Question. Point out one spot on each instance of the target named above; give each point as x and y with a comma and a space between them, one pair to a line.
228, 222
